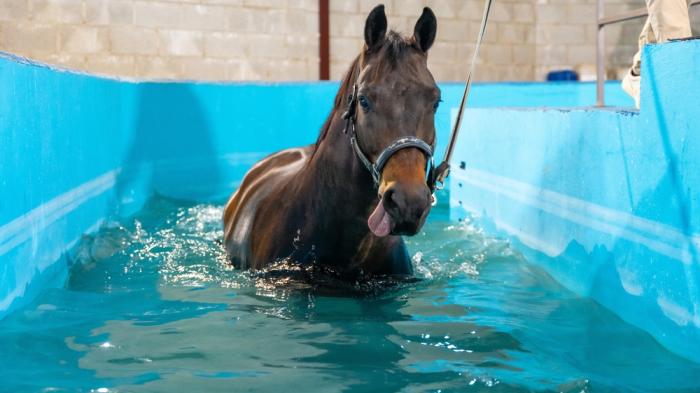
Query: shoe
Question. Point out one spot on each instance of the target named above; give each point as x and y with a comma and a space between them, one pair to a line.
630, 84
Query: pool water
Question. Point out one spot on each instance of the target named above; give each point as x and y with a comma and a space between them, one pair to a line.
151, 305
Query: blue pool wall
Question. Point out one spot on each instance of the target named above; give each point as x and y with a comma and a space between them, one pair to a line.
78, 149
605, 200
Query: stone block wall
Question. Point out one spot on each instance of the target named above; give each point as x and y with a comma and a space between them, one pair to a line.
506, 54
168, 39
525, 39
278, 39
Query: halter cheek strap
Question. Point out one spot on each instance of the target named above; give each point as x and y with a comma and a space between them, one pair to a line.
375, 169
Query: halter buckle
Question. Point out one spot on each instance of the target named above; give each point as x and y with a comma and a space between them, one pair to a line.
441, 173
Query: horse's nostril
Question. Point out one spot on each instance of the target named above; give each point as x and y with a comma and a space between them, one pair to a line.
390, 199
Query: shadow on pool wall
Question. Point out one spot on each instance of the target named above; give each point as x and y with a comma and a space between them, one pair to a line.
603, 200
78, 149
171, 150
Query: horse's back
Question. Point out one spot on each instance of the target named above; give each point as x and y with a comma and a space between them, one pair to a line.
268, 175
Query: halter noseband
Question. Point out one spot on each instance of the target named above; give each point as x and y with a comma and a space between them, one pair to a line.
375, 169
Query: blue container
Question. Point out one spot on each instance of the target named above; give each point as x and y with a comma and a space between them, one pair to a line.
562, 75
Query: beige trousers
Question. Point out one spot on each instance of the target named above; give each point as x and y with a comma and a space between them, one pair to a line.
667, 20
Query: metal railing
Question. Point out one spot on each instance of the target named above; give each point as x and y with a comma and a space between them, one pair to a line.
600, 45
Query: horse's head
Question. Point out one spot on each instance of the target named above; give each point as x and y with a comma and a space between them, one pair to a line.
395, 99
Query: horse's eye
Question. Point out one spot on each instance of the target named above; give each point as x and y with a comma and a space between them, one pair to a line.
436, 105
364, 103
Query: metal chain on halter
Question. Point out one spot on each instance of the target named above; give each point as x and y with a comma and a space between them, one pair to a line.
443, 169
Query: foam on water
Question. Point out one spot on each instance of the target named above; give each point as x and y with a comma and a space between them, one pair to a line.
152, 305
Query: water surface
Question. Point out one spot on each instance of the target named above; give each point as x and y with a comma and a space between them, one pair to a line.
151, 305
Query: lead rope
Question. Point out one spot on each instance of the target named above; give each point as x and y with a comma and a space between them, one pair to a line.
443, 170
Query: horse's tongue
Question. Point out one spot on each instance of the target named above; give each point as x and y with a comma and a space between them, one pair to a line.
379, 221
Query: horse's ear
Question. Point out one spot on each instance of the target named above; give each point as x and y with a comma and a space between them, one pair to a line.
424, 32
375, 27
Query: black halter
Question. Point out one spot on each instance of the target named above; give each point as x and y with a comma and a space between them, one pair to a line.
405, 142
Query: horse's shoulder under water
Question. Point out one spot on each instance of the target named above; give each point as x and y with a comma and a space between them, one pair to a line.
266, 176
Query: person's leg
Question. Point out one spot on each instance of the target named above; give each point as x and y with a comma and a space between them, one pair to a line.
645, 37
669, 19
631, 81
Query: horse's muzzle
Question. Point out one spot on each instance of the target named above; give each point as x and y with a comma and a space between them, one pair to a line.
408, 206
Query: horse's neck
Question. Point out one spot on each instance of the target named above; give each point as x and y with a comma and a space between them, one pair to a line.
339, 180
339, 192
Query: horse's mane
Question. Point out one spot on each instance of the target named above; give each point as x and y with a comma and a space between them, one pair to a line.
340, 98
390, 52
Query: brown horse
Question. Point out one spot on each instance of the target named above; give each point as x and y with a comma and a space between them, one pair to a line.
372, 159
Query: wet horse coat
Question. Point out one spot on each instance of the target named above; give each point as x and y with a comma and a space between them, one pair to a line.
312, 204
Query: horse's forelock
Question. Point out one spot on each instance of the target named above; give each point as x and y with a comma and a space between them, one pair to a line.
395, 46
